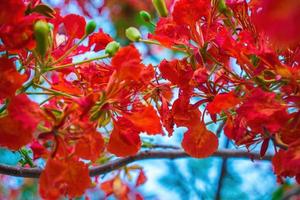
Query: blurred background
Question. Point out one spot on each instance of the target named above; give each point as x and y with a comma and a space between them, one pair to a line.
212, 178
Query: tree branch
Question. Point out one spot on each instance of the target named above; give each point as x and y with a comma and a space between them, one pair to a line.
120, 162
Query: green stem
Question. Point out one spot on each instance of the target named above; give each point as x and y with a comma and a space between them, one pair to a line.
212, 122
159, 44
55, 92
4, 106
76, 63
39, 93
69, 51
27, 158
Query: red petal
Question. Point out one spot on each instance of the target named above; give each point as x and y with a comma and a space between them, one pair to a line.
10, 79
190, 11
64, 177
222, 102
184, 114
146, 119
74, 25
127, 63
90, 145
198, 142
18, 126
100, 40
11, 11
178, 72
124, 139
141, 179
279, 19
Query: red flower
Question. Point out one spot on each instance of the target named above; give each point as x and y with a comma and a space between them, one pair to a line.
189, 11
124, 139
100, 40
168, 33
10, 79
64, 177
184, 114
261, 110
75, 25
11, 11
141, 179
19, 36
145, 119
222, 102
178, 72
116, 187
279, 19
18, 126
286, 163
90, 145
127, 64
198, 142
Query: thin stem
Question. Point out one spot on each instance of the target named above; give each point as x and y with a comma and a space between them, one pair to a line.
69, 51
55, 92
77, 63
39, 93
159, 44
27, 158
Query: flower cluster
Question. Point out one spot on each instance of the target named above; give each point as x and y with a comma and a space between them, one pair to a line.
240, 67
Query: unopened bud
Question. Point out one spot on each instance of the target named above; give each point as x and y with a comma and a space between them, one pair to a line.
145, 16
112, 48
133, 34
222, 6
161, 8
90, 27
41, 33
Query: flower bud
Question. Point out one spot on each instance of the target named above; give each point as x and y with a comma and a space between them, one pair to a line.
145, 16
222, 6
90, 27
41, 33
133, 34
161, 8
112, 48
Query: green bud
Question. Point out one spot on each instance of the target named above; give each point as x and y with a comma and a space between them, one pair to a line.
145, 16
90, 27
41, 33
112, 48
161, 8
133, 34
222, 7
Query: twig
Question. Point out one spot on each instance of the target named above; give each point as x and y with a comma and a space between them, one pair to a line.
294, 192
120, 162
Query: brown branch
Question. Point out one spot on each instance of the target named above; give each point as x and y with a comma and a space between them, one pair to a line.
223, 173
120, 162
294, 192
